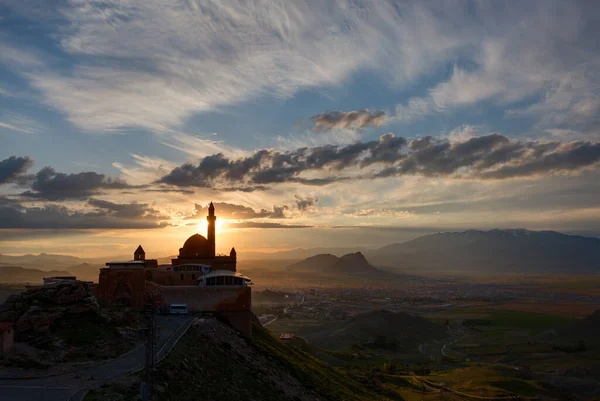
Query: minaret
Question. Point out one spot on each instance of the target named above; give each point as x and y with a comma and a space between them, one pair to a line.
211, 218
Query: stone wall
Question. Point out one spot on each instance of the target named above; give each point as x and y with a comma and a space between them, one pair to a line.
122, 285
231, 303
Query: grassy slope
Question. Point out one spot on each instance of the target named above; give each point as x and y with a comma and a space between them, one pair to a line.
212, 367
313, 373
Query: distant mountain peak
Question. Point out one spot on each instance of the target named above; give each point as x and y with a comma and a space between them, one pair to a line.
353, 263
354, 255
496, 250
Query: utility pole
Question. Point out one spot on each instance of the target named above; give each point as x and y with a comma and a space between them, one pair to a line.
147, 389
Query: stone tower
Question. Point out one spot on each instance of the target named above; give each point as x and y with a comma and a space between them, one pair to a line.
139, 254
210, 235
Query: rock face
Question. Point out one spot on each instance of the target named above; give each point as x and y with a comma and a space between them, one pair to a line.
36, 310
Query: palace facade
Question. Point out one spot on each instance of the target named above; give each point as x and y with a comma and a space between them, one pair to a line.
198, 277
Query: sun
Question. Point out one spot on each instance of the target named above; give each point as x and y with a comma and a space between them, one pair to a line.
202, 226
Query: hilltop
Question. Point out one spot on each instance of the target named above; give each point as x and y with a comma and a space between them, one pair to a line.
349, 264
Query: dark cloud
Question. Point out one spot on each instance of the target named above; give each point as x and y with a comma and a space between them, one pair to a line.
50, 185
258, 224
108, 215
232, 211
567, 157
491, 156
132, 210
13, 168
268, 166
278, 212
349, 119
304, 203
494, 157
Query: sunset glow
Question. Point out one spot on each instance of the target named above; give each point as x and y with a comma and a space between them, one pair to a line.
368, 123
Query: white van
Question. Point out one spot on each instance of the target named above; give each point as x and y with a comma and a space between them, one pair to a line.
178, 309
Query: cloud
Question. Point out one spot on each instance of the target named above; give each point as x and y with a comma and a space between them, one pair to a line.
349, 119
19, 123
492, 156
567, 157
106, 215
258, 224
304, 203
12, 168
389, 213
51, 185
269, 166
415, 109
132, 210
195, 57
233, 211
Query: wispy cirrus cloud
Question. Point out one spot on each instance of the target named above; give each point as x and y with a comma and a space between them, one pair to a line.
19, 124
195, 56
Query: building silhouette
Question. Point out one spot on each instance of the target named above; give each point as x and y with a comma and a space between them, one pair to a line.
197, 277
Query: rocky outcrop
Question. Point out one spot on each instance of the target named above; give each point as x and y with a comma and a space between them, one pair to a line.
36, 310
353, 263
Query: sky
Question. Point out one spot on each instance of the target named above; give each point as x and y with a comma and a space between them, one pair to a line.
307, 123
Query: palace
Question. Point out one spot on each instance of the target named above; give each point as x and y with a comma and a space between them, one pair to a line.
198, 277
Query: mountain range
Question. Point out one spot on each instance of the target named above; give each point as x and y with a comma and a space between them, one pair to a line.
497, 251
18, 274
501, 251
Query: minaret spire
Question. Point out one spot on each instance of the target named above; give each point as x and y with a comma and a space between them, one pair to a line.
211, 237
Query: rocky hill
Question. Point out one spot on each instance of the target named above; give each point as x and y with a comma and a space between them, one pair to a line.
401, 329
511, 251
352, 263
349, 264
317, 263
212, 362
63, 322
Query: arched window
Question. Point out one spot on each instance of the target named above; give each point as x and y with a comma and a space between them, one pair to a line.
181, 276
193, 276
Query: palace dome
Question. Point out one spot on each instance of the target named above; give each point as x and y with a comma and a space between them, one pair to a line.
195, 246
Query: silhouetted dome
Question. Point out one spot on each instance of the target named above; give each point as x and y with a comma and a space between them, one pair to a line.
196, 245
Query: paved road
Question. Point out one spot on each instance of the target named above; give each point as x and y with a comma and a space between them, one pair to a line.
72, 388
